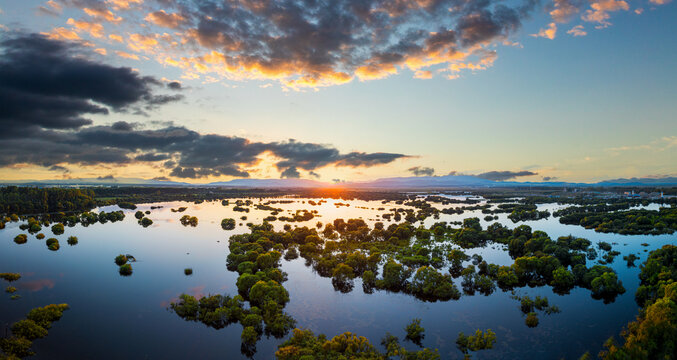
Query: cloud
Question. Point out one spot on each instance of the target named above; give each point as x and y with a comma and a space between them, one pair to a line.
421, 171
58, 168
50, 84
564, 10
48, 87
548, 33
102, 14
577, 30
126, 55
321, 43
600, 9
161, 18
92, 28
290, 173
549, 178
504, 175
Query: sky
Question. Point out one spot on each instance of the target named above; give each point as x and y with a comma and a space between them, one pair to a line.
343, 90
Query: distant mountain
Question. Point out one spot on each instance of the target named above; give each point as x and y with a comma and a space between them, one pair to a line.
640, 181
100, 181
425, 182
413, 182
271, 183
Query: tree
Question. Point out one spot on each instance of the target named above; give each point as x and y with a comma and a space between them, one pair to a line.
480, 341
415, 332
57, 229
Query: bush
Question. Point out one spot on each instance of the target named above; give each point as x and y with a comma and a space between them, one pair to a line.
415, 331
10, 276
45, 316
126, 270
228, 224
21, 239
58, 229
188, 271
249, 335
52, 244
28, 329
72, 240
145, 222
532, 320
40, 236
121, 260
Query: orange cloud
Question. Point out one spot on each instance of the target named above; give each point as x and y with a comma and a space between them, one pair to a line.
114, 37
375, 71
161, 18
62, 33
94, 29
123, 4
101, 51
659, 2
563, 11
601, 9
548, 33
142, 43
127, 55
577, 30
106, 15
423, 74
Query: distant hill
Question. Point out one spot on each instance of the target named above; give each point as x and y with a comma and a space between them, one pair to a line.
413, 182
106, 180
271, 183
454, 181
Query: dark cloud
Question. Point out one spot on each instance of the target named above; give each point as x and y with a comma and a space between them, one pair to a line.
107, 177
152, 157
51, 84
47, 88
161, 178
290, 173
549, 178
189, 154
421, 171
58, 168
504, 175
175, 85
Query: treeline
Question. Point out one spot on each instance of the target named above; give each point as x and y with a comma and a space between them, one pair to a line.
630, 222
654, 334
32, 200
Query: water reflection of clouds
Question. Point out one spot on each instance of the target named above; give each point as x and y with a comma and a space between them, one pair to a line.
36, 285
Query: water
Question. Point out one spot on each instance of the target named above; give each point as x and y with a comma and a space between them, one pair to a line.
113, 316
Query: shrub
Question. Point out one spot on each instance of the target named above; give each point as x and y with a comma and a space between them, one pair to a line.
45, 316
415, 331
126, 270
58, 229
72, 240
532, 320
10, 276
121, 260
28, 329
21, 239
228, 224
188, 271
52, 244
